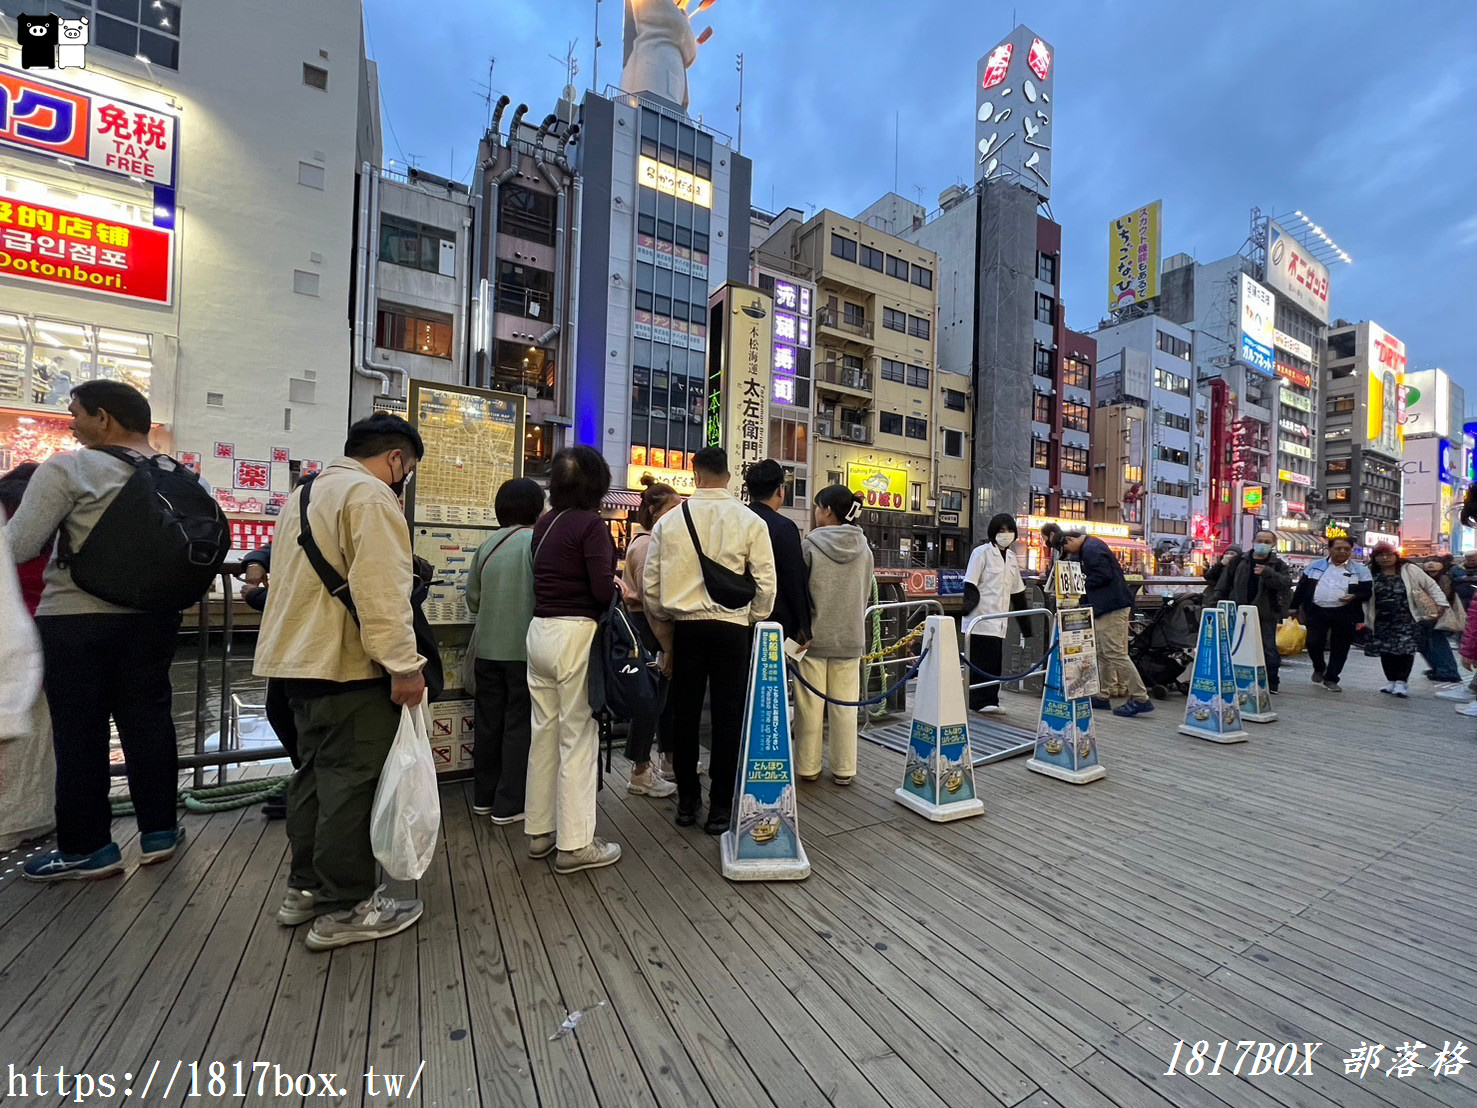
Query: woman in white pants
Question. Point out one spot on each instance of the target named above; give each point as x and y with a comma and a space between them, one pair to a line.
839, 564
574, 582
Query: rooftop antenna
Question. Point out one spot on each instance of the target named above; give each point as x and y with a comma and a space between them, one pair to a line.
897, 127
570, 63
740, 106
487, 93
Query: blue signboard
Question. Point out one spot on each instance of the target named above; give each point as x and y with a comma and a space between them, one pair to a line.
1066, 745
1211, 710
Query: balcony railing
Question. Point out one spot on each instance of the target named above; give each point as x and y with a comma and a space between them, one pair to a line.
843, 430
842, 376
838, 321
529, 303
532, 385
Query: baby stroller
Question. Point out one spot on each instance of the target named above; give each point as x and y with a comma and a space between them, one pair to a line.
1163, 645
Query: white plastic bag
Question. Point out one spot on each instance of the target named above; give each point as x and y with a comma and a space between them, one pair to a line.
406, 817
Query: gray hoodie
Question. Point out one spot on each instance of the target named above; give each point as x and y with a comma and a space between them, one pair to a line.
839, 563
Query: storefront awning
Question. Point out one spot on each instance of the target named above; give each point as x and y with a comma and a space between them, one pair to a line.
619, 500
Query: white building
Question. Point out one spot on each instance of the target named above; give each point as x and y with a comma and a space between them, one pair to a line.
227, 217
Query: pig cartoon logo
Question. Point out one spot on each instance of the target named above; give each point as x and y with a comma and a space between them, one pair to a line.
71, 50
38, 36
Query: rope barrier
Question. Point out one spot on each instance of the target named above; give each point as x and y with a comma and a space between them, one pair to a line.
217, 798
912, 673
1045, 658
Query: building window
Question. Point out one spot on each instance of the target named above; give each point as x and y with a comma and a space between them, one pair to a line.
789, 439
1338, 465
1045, 309
1171, 382
915, 498
315, 76
525, 291
1046, 268
530, 370
153, 32
1133, 475
1040, 454
897, 267
429, 336
1041, 411
1341, 405
1169, 419
843, 248
1075, 416
1074, 460
955, 401
1074, 508
953, 444
1174, 347
1170, 454
1043, 362
797, 488
526, 214
918, 327
893, 370
894, 320
1077, 373
872, 259
917, 428
891, 423
1338, 496
923, 278
951, 500
1038, 503
405, 242
854, 315
918, 376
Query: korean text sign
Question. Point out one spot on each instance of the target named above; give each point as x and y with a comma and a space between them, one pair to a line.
59, 247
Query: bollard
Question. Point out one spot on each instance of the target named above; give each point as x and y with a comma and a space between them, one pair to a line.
938, 776
762, 842
1249, 666
1066, 740
1211, 711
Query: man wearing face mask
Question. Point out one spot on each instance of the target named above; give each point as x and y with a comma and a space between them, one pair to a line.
1264, 581
992, 583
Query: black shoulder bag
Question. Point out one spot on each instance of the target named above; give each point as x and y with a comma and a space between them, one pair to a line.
726, 588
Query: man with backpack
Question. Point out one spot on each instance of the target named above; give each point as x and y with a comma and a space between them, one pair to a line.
710, 570
338, 633
108, 656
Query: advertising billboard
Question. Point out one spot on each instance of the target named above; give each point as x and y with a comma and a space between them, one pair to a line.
740, 377
1258, 309
885, 488
1296, 274
1428, 404
1383, 365
1133, 256
1015, 105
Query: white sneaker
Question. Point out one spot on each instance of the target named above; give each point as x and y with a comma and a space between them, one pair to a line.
297, 907
1401, 690
1469, 709
379, 917
1389, 689
1460, 693
647, 783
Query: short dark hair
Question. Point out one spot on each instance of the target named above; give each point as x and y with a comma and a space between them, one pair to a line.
844, 504
579, 478
128, 407
712, 460
519, 503
379, 434
764, 479
1002, 521
13, 486
654, 497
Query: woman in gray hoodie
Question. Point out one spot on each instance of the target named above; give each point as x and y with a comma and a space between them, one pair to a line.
839, 565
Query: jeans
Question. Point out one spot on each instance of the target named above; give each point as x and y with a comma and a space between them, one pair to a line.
1436, 650
503, 729
1117, 675
100, 667
709, 653
564, 756
1331, 629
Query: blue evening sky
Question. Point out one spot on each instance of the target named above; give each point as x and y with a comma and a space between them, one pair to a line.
1356, 111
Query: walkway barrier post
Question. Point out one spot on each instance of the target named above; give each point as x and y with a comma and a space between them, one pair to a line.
938, 776
1249, 664
1211, 711
1066, 740
762, 842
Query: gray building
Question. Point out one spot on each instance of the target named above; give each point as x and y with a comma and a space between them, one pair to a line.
1363, 442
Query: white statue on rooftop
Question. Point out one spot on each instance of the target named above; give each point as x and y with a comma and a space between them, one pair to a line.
660, 47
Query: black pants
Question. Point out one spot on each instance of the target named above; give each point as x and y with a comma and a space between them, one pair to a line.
97, 667
1269, 651
504, 728
709, 657
644, 730
1397, 667
1333, 629
988, 653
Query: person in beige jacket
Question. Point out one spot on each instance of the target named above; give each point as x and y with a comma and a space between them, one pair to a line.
345, 678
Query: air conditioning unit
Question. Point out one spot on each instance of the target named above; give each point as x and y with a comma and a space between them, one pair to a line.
852, 378
857, 433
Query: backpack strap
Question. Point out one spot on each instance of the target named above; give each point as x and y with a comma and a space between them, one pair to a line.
332, 579
64, 551
533, 554
478, 567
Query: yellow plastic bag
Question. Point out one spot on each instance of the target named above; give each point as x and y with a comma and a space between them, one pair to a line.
1292, 638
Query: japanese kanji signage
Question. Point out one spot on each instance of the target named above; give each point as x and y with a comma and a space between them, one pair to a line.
884, 488
59, 247
1133, 256
740, 379
1296, 274
112, 135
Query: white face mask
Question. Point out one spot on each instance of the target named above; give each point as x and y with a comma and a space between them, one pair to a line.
1004, 539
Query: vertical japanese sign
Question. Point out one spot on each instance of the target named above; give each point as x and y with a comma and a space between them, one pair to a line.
741, 371
1014, 105
792, 322
1383, 364
1133, 256
1258, 311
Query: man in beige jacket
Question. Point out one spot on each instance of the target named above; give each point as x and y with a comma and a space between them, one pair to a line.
345, 673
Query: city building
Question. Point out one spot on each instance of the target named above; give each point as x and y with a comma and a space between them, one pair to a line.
201, 245
1436, 466
1363, 433
888, 421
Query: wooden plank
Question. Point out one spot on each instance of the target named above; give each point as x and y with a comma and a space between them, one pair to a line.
450, 1076
1128, 1089
341, 1045
394, 1034
288, 1038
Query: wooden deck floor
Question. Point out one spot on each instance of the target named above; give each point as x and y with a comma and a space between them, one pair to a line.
1313, 884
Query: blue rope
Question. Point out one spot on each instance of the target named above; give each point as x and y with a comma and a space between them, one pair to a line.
912, 673
1045, 659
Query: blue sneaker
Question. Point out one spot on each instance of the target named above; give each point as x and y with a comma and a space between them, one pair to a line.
57, 866
159, 846
1102, 703
1141, 707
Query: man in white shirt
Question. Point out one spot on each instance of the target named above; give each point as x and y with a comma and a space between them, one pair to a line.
711, 641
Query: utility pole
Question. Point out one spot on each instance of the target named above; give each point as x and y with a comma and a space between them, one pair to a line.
741, 104
595, 69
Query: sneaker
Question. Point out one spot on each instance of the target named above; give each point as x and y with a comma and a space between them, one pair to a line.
506, 821
844, 782
1142, 707
667, 772
57, 866
297, 907
1102, 703
1460, 693
1331, 685
482, 809
1389, 689
1317, 677
1469, 709
990, 709
598, 853
159, 846
379, 917
1401, 689
647, 783
541, 846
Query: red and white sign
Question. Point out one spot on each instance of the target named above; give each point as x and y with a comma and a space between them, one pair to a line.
59, 247
1039, 59
1389, 352
1298, 377
190, 460
922, 582
998, 65
61, 121
1294, 505
279, 455
253, 475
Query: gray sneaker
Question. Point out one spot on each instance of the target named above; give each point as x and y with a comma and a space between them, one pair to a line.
598, 853
297, 907
649, 783
1332, 685
541, 846
379, 917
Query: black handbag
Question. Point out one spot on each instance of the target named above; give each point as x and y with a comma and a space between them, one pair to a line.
726, 588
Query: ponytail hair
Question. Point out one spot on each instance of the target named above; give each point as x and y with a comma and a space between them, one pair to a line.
844, 504
654, 497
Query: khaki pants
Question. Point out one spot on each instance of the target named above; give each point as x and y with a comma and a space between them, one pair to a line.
564, 756
839, 678
1118, 676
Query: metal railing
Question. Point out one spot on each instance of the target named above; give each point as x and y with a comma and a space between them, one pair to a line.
969, 631
526, 302
897, 619
850, 325
847, 377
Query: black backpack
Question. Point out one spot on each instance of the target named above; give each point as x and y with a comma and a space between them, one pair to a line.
625, 680
158, 545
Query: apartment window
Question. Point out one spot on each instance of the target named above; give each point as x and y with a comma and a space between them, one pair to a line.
1133, 475
897, 267
1341, 405
1045, 307
1074, 460
1038, 503
918, 376
524, 291
1040, 454
1075, 416
953, 444
894, 320
923, 278
1173, 488
893, 371
917, 428
955, 401
854, 314
1046, 268
1074, 508
1339, 465
1170, 454
890, 423
919, 327
843, 248
1077, 373
1043, 362
1041, 410
1171, 382
872, 259
1338, 496
426, 335
1174, 347
526, 214
1169, 419
951, 500
405, 242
